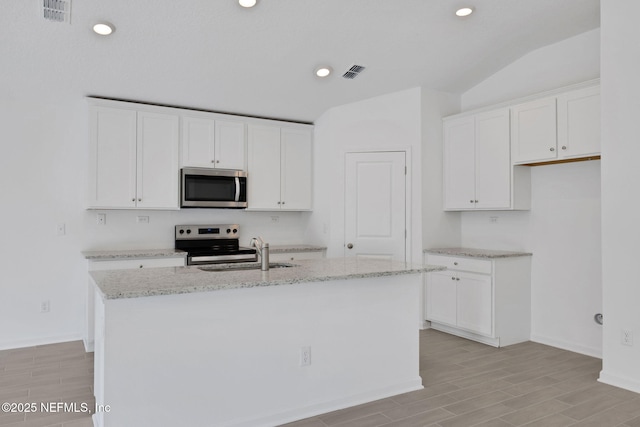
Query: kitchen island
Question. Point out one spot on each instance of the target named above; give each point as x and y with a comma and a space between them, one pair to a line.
183, 346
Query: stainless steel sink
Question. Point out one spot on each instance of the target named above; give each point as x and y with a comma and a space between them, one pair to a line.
244, 267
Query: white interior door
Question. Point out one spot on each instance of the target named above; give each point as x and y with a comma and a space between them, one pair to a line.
375, 205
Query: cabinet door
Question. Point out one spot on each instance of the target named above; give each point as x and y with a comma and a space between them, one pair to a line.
158, 163
579, 123
112, 174
441, 298
263, 168
198, 135
459, 164
475, 303
230, 143
493, 161
295, 169
533, 131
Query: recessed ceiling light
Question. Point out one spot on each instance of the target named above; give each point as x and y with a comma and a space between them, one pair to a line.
323, 71
247, 3
464, 11
104, 28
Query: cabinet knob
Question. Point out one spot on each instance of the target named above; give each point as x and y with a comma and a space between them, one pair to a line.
475, 201
213, 161
350, 246
139, 200
283, 203
457, 278
455, 263
453, 278
133, 200
279, 203
217, 161
470, 201
564, 147
140, 266
552, 149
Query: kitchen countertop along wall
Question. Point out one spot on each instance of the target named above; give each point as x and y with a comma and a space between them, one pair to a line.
475, 252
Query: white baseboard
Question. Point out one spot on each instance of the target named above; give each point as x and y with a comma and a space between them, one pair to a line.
620, 382
89, 346
39, 341
334, 405
570, 346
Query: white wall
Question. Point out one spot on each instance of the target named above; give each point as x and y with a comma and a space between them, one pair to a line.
386, 122
620, 178
562, 229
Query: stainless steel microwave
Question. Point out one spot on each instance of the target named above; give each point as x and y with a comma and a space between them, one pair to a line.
213, 188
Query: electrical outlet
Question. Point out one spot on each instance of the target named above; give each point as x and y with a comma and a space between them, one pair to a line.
275, 218
61, 229
101, 219
45, 306
627, 337
142, 219
493, 219
305, 356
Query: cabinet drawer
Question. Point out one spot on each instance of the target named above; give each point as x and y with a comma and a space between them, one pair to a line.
293, 256
128, 264
461, 264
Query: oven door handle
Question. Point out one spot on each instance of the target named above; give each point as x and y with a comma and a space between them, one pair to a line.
237, 189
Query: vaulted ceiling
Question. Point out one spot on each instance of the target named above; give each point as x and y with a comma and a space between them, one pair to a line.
216, 55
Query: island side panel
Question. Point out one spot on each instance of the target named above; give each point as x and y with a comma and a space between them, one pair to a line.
233, 357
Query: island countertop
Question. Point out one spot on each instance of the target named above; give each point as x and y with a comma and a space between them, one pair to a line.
118, 284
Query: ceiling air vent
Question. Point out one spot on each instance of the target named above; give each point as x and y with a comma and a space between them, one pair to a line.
353, 72
56, 10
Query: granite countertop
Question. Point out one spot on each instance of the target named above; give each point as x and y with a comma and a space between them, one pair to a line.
111, 255
278, 249
133, 253
119, 284
476, 253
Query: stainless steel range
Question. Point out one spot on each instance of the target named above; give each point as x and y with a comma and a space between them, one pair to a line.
212, 244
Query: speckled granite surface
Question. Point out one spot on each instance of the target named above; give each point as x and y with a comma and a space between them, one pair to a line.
133, 253
118, 284
475, 253
175, 253
280, 249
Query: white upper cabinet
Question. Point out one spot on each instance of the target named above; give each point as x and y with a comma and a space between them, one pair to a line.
533, 131
477, 168
211, 143
559, 128
112, 157
263, 180
133, 159
579, 123
279, 167
157, 161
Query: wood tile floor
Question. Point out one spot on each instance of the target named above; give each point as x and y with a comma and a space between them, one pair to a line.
471, 384
47, 374
466, 384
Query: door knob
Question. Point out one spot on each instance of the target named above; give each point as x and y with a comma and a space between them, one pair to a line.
350, 246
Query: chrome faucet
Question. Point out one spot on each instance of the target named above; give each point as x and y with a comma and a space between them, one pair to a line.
263, 250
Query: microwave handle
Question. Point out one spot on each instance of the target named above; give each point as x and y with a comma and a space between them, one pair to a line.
237, 189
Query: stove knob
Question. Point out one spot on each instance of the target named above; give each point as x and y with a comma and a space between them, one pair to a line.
228, 230
181, 231
188, 231
235, 230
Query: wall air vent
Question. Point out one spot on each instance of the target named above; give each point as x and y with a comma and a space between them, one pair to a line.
56, 10
353, 72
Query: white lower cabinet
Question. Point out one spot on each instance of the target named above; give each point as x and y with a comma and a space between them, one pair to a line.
487, 300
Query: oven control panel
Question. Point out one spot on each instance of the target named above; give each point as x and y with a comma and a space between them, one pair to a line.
220, 231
